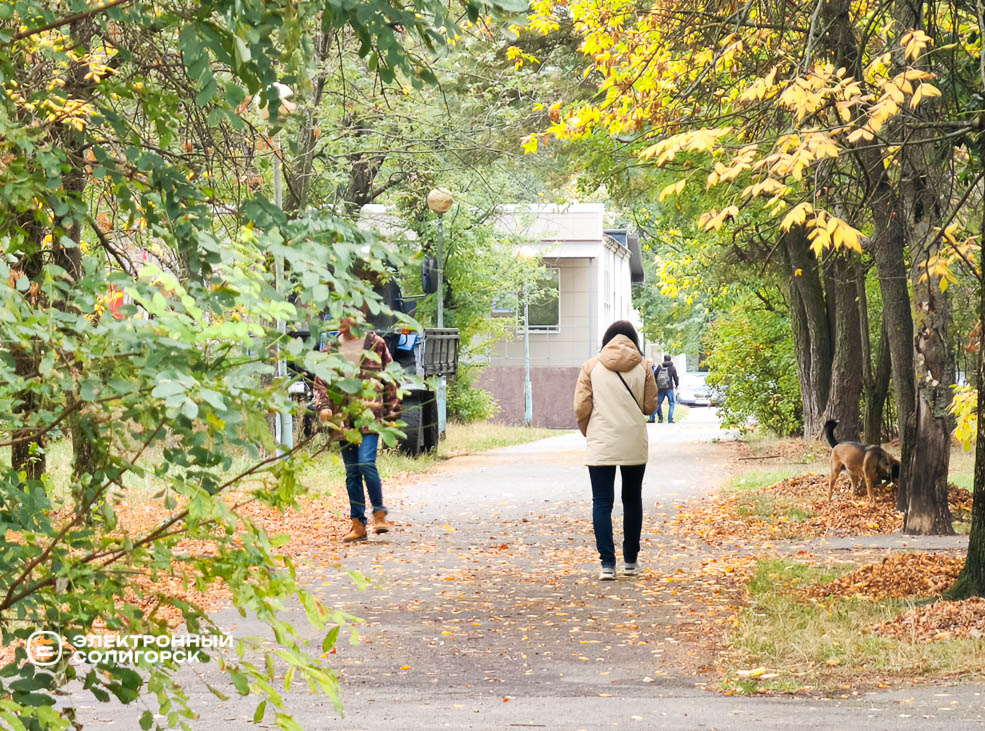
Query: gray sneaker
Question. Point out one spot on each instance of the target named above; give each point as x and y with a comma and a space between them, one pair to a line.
632, 569
608, 573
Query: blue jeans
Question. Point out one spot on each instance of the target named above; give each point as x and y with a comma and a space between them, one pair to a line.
603, 496
360, 464
661, 395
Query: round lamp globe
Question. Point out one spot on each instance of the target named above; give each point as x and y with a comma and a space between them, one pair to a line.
440, 201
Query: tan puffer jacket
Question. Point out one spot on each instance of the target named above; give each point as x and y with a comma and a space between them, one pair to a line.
612, 419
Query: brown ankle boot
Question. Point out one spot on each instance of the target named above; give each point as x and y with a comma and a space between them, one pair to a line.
379, 522
356, 533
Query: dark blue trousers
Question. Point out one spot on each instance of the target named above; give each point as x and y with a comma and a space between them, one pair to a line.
603, 496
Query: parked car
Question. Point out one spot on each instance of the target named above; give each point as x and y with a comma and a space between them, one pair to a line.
693, 389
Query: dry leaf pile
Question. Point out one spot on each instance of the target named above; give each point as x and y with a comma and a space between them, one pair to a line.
727, 518
899, 575
939, 621
312, 526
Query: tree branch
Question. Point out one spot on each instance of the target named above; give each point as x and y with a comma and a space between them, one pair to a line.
68, 19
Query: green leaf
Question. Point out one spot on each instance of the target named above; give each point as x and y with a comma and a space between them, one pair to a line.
146, 720
260, 711
359, 580
217, 693
330, 639
350, 386
240, 680
242, 51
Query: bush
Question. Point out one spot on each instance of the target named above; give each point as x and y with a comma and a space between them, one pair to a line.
753, 364
467, 402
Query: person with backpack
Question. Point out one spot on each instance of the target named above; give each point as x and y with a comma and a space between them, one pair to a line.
614, 394
667, 380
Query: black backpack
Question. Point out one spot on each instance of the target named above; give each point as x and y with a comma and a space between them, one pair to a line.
662, 375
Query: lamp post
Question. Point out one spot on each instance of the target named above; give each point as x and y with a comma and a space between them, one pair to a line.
440, 201
528, 390
284, 424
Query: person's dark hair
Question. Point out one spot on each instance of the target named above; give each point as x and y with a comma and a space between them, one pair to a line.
666, 356
621, 327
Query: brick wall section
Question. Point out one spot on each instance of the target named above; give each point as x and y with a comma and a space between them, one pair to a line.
553, 389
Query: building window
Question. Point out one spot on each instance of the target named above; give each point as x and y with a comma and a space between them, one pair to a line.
545, 302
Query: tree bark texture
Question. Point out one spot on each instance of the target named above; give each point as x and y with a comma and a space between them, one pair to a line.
300, 176
925, 196
927, 511
847, 369
887, 250
812, 336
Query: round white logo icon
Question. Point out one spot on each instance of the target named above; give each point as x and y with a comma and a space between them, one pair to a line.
44, 648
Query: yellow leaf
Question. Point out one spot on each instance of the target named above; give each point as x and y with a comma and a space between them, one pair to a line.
673, 189
797, 215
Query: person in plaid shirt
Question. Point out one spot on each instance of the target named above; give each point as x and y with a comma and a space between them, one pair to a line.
371, 356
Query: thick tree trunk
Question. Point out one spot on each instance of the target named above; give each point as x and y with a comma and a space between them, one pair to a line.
924, 162
927, 510
846, 370
812, 337
887, 249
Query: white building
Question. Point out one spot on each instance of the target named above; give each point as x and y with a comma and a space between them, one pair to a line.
592, 270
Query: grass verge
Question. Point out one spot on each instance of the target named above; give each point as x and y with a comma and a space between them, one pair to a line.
784, 643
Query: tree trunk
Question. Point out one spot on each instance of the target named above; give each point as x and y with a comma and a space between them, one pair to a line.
299, 177
971, 581
927, 510
812, 336
846, 371
887, 249
878, 392
924, 162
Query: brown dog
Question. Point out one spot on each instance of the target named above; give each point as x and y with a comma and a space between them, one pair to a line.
861, 461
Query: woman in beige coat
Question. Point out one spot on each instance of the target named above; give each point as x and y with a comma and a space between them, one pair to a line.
614, 395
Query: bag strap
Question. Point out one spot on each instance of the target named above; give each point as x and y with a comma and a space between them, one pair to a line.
630, 392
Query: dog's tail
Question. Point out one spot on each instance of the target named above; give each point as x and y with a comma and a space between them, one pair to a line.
829, 431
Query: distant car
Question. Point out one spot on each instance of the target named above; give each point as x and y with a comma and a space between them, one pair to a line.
693, 389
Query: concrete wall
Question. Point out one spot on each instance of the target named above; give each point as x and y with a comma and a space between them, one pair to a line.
572, 345
573, 222
553, 392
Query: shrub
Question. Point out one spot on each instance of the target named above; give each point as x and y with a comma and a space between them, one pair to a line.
467, 402
753, 364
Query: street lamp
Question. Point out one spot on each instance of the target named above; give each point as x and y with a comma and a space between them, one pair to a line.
284, 425
440, 201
